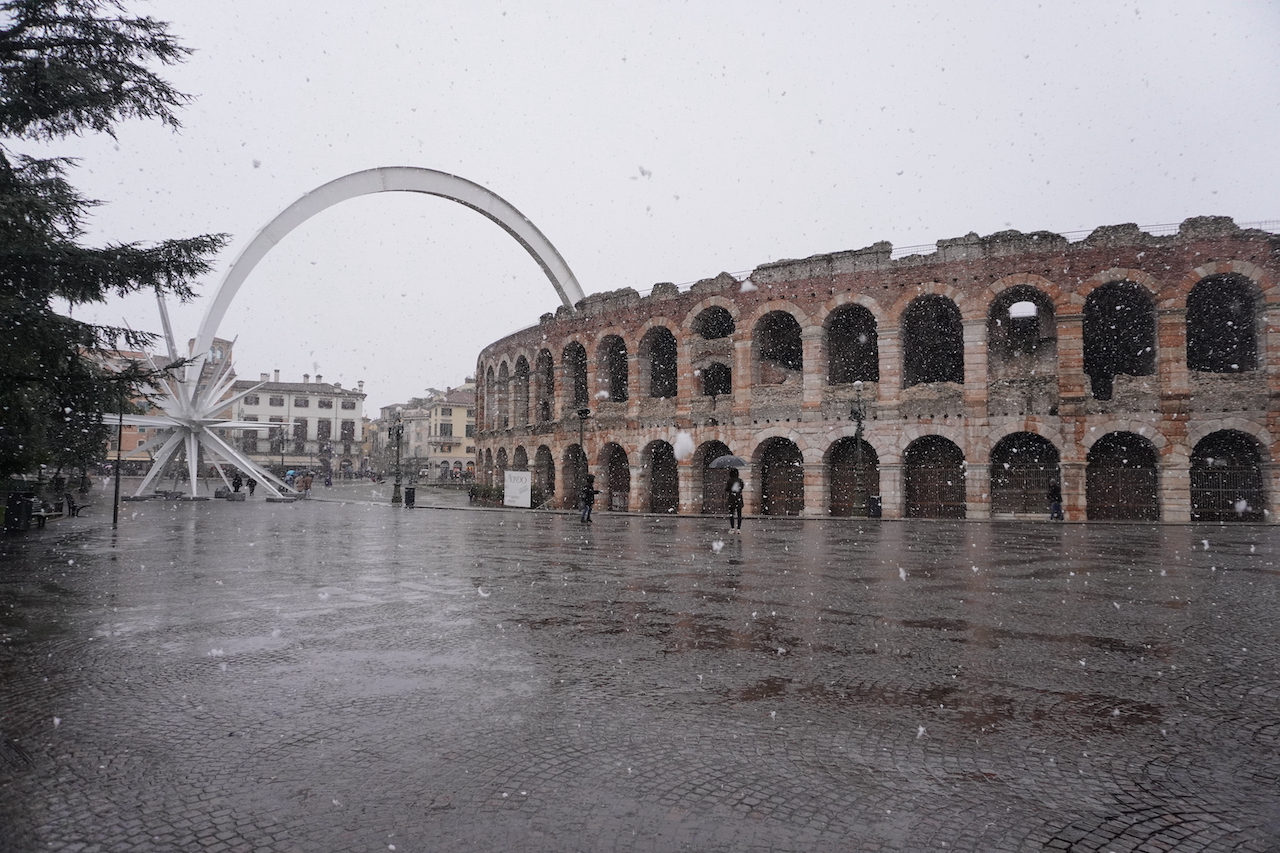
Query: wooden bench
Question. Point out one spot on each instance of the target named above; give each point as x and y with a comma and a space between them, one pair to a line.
74, 509
42, 515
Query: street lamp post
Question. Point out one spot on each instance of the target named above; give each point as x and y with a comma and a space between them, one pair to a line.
858, 413
115, 503
396, 432
583, 414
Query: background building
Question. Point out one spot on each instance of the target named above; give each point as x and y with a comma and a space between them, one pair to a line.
439, 436
317, 426
1139, 373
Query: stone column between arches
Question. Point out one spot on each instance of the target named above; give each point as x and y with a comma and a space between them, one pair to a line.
751, 497
977, 489
891, 495
1173, 488
1073, 489
815, 490
975, 370
889, 342
814, 378
1171, 353
690, 494
1072, 385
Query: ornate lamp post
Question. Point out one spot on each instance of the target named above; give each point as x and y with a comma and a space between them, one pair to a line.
583, 414
858, 413
396, 432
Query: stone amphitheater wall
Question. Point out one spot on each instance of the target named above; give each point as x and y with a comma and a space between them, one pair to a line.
945, 361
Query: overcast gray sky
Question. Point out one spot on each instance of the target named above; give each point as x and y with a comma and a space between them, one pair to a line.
659, 141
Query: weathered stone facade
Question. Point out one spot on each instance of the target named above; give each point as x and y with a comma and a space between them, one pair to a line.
1138, 374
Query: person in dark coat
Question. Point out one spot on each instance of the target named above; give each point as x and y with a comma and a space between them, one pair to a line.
734, 489
236, 483
252, 484
1055, 500
588, 497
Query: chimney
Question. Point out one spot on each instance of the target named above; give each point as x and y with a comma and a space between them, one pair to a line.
266, 377
318, 378
360, 385
338, 385
306, 377
277, 379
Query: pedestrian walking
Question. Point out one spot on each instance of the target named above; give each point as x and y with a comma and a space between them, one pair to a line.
589, 492
1055, 501
251, 484
734, 489
236, 482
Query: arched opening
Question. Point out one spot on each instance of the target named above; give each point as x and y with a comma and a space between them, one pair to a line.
853, 476
520, 459
488, 468
503, 395
545, 387
714, 480
1226, 478
544, 473
444, 471
617, 478
470, 474
1120, 479
781, 468
932, 342
573, 473
520, 394
779, 349
1022, 334
717, 380
853, 351
933, 470
1119, 335
664, 479
1023, 468
658, 354
490, 400
575, 366
500, 468
611, 365
713, 323
1221, 325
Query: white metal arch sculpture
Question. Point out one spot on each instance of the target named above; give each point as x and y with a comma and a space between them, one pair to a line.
191, 413
411, 179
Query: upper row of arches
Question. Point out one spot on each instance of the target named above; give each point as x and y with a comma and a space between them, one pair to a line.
1224, 325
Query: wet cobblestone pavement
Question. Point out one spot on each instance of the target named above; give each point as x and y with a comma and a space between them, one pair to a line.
351, 677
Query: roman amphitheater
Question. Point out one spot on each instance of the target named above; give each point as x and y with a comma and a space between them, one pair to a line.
1134, 372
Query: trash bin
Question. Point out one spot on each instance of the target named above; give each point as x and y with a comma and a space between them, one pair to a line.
17, 511
874, 509
410, 494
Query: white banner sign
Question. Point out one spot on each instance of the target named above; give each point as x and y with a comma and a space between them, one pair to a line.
518, 489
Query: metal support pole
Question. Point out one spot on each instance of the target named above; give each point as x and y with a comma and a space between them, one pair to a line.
115, 506
397, 430
583, 414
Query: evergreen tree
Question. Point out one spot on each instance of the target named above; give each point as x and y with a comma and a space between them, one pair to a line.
69, 67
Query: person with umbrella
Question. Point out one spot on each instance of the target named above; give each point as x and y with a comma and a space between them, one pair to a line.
733, 489
588, 498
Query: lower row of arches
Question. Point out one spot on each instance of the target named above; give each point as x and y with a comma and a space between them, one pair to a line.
1122, 477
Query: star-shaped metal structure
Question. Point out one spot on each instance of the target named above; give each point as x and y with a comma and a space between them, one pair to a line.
191, 419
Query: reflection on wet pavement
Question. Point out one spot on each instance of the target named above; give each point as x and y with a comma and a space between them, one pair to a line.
331, 676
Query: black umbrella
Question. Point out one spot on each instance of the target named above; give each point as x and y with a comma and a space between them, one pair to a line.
728, 462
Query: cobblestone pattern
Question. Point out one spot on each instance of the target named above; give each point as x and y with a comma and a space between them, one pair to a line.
344, 677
